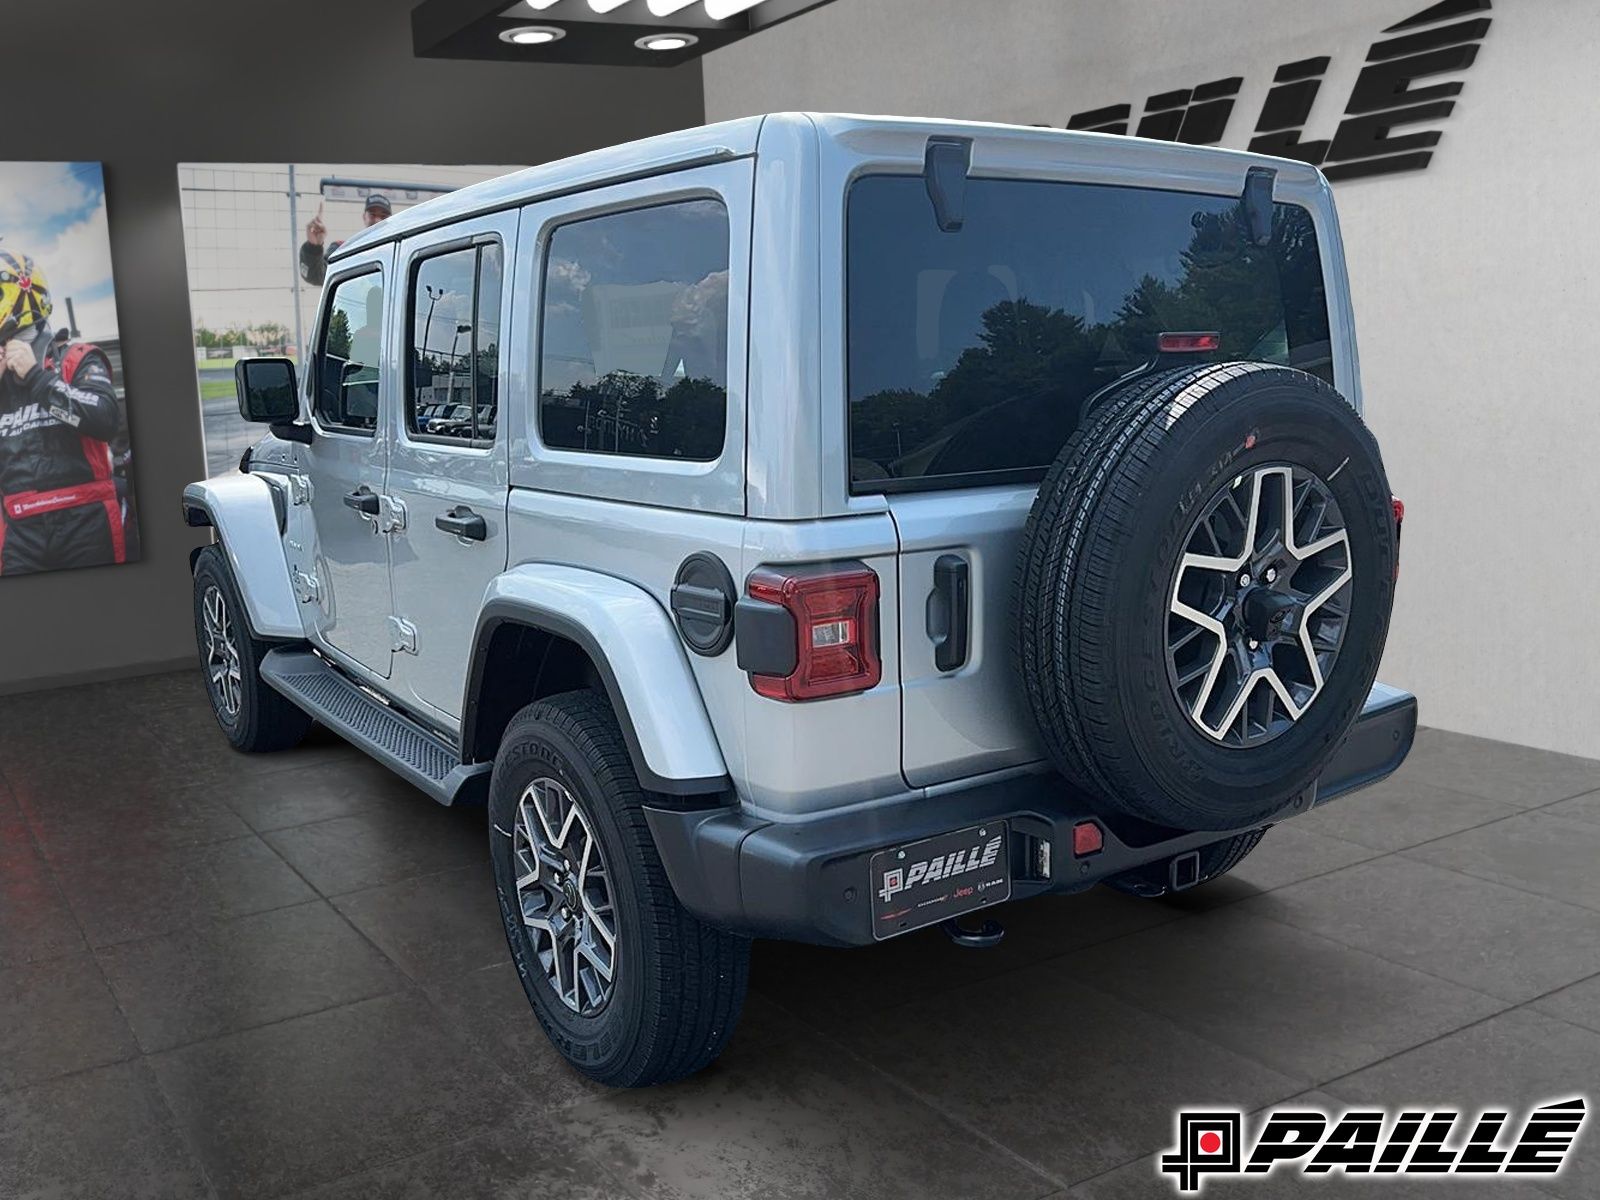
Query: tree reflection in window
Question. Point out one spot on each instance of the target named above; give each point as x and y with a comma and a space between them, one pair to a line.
948, 381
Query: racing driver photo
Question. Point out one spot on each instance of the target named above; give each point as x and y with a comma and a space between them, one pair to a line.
64, 498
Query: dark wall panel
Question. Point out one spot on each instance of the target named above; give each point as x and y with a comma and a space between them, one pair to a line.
144, 87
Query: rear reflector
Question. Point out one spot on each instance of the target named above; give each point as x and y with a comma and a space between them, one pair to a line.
1087, 839
1188, 343
835, 612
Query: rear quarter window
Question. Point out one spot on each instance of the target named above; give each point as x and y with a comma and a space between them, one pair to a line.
971, 354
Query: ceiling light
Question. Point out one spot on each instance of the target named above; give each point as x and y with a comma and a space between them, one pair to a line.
605, 6
538, 5
532, 35
721, 10
665, 42
665, 8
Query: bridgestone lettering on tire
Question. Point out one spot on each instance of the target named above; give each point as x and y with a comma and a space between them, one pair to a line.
1189, 659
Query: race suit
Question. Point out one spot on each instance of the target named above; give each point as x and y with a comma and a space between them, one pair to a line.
59, 497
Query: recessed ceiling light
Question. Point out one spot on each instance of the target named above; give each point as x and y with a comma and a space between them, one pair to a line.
532, 35
540, 5
665, 42
605, 6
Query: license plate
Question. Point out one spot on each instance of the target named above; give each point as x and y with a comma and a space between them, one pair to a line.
930, 881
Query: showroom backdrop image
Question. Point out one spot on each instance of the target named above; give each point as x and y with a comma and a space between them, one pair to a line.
257, 237
66, 498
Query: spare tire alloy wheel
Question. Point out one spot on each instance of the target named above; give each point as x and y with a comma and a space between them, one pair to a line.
1260, 601
565, 893
1204, 592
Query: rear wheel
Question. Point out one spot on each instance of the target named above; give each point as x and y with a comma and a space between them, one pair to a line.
254, 717
1214, 861
630, 987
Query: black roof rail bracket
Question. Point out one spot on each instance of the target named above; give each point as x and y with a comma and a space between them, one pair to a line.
1258, 186
944, 170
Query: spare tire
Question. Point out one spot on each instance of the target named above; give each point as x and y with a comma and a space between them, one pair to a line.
1204, 591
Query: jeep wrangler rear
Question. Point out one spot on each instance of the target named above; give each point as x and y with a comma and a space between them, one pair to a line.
820, 528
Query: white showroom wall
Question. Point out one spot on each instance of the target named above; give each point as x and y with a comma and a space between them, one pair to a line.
1475, 281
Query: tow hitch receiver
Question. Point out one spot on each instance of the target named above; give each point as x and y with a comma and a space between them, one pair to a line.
1185, 871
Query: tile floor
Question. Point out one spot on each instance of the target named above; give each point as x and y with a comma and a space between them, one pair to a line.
284, 976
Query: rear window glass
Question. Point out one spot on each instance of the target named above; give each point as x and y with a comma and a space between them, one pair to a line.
971, 354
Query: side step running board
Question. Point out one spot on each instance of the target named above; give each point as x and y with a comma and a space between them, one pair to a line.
399, 743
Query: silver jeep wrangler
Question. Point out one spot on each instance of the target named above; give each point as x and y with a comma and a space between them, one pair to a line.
818, 527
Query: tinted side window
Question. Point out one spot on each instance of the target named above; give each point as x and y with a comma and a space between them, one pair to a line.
634, 356
349, 353
971, 354
453, 391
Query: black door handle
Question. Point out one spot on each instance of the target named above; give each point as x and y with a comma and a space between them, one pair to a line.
363, 501
463, 523
949, 611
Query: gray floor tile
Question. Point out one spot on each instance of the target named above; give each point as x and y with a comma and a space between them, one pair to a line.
104, 1133
1552, 856
1519, 1058
301, 795
254, 970
57, 1017
170, 689
1579, 808
1027, 1057
402, 840
435, 925
1579, 1004
1288, 854
1298, 1002
1401, 811
306, 1101
488, 1010
507, 1164
127, 823
119, 899
801, 1121
1501, 771
876, 978
35, 920
1494, 939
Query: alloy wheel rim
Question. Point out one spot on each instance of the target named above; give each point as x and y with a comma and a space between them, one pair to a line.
1259, 605
222, 654
564, 892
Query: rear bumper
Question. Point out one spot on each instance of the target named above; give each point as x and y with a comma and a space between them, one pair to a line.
808, 881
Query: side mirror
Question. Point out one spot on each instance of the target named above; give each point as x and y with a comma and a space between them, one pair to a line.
267, 391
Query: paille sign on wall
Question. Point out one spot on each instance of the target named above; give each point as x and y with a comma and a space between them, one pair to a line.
1433, 42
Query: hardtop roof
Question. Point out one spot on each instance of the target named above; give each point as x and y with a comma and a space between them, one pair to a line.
740, 138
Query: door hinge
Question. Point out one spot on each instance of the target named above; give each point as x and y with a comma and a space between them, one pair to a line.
300, 489
306, 588
391, 515
402, 636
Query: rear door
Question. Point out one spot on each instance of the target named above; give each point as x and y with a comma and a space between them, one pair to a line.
352, 386
448, 468
971, 354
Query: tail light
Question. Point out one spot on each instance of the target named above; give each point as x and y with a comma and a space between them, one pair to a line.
805, 633
1188, 343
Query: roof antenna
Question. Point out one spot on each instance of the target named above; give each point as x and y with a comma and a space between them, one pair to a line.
1258, 185
944, 170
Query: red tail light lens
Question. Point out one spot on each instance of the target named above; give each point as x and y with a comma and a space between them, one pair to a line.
835, 612
1188, 343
